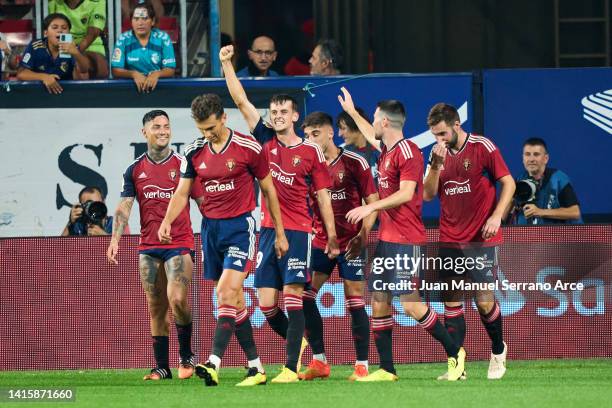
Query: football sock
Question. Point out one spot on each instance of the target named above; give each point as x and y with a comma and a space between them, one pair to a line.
492, 322
360, 326
454, 321
257, 364
244, 334
226, 323
184, 340
382, 327
295, 329
276, 319
314, 322
431, 323
161, 351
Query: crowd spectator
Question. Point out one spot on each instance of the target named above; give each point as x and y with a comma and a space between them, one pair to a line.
43, 60
261, 57
81, 222
326, 58
144, 53
88, 20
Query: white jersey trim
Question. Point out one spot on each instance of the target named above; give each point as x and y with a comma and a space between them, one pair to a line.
359, 158
405, 148
481, 139
317, 148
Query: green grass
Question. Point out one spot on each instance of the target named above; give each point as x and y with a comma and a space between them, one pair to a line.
550, 383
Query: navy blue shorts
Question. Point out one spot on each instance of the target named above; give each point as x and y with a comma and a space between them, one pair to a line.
396, 268
352, 270
167, 254
478, 264
292, 268
227, 243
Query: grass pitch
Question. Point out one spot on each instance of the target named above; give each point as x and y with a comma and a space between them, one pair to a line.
547, 383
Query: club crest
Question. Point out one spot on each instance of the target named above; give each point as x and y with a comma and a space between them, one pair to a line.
467, 164
296, 160
172, 174
340, 176
230, 163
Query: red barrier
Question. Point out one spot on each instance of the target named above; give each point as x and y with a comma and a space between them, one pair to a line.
63, 307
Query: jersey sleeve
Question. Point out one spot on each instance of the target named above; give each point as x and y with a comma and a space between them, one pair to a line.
187, 169
118, 60
259, 165
263, 133
365, 181
168, 59
196, 189
97, 18
410, 164
495, 164
128, 189
27, 59
320, 174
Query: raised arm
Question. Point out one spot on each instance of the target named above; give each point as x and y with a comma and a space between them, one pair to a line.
239, 96
364, 126
120, 221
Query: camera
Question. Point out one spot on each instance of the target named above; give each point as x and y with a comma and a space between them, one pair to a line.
526, 190
94, 212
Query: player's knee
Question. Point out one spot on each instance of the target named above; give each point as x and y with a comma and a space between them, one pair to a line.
380, 309
178, 301
484, 306
227, 294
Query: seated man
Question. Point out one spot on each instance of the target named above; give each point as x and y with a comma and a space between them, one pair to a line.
555, 200
88, 20
326, 58
144, 53
261, 57
43, 60
88, 219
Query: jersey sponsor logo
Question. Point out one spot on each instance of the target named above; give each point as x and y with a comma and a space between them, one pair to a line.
230, 164
359, 272
337, 195
133, 59
172, 174
383, 182
296, 160
214, 186
282, 176
300, 274
26, 57
597, 109
99, 17
456, 187
142, 175
117, 55
153, 191
466, 164
168, 61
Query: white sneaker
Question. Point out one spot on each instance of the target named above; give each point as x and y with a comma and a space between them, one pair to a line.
444, 377
497, 365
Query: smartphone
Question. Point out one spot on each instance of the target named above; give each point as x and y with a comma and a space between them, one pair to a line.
65, 38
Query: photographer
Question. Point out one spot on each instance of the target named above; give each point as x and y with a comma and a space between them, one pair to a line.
89, 216
543, 195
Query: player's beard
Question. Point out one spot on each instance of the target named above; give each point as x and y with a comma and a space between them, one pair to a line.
452, 144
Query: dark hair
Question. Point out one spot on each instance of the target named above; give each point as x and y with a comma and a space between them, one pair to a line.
394, 111
348, 121
145, 5
205, 105
331, 51
53, 16
90, 190
282, 98
317, 119
149, 116
442, 112
536, 141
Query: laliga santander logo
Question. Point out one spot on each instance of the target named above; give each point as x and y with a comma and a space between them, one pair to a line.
153, 191
598, 109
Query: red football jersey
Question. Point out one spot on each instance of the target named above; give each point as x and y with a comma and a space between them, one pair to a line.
403, 224
153, 185
226, 176
294, 169
352, 181
467, 190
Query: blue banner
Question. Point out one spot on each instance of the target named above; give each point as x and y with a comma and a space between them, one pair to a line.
571, 109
